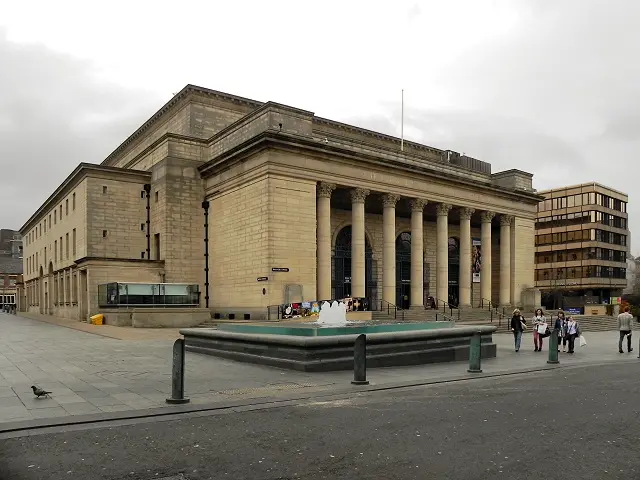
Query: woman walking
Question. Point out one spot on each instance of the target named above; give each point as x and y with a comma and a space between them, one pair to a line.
518, 324
561, 328
538, 321
573, 330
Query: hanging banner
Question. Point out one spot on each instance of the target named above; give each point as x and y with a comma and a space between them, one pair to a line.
476, 259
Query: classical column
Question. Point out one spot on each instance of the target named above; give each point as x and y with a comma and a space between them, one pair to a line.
505, 259
417, 253
323, 232
465, 256
485, 249
357, 242
442, 252
389, 247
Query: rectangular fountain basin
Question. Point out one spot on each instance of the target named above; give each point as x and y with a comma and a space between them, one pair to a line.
311, 348
311, 330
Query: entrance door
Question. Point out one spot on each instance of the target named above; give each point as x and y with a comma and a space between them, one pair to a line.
403, 270
454, 271
341, 281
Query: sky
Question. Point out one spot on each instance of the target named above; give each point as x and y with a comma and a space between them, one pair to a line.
549, 87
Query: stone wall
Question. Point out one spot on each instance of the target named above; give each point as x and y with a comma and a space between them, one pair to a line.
116, 224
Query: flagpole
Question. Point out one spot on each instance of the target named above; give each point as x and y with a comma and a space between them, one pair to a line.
402, 125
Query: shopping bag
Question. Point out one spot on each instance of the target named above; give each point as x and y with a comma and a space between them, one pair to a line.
542, 328
583, 341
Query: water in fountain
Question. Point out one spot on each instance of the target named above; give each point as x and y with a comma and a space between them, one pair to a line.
334, 315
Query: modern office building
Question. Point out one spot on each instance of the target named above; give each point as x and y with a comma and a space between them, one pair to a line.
236, 205
581, 247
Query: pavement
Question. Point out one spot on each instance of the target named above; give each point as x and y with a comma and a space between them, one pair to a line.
571, 423
125, 374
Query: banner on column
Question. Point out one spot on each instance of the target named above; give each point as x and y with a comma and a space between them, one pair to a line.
476, 259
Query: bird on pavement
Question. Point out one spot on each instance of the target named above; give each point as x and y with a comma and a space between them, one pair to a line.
38, 392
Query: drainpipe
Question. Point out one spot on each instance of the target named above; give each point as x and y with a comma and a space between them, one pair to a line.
205, 207
147, 188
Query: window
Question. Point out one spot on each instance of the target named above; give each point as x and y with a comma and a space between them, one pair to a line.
67, 245
55, 217
45, 255
142, 227
104, 189
571, 202
74, 242
60, 212
45, 225
142, 194
55, 251
104, 233
61, 256
73, 202
156, 196
66, 207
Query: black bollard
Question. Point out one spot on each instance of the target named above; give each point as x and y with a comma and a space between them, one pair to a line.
475, 350
553, 348
360, 361
177, 374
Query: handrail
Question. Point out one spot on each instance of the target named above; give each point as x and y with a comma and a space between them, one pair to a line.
484, 302
445, 306
444, 318
499, 316
390, 307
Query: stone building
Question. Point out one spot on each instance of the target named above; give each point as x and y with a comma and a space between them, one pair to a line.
582, 246
10, 278
297, 207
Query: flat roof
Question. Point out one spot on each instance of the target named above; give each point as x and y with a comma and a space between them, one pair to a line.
582, 185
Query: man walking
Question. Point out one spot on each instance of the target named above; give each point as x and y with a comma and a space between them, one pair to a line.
625, 325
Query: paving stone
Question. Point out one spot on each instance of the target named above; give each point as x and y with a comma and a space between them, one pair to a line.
52, 412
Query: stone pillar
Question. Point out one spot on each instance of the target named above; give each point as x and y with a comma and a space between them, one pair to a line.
389, 247
358, 242
465, 256
323, 232
505, 259
485, 245
442, 252
417, 254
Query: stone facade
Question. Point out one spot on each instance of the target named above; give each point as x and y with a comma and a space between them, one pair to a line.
280, 184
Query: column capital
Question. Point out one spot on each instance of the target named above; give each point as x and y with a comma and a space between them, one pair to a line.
325, 189
390, 199
417, 204
442, 209
359, 194
487, 216
466, 212
506, 220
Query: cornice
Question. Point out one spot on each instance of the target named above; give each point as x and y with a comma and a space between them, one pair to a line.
81, 171
171, 104
281, 140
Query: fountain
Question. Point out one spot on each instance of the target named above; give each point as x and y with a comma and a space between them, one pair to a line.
334, 315
327, 344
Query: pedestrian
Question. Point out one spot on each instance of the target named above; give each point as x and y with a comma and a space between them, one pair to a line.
625, 326
539, 322
560, 328
518, 324
573, 331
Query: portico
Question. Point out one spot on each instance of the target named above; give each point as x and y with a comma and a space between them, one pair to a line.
422, 232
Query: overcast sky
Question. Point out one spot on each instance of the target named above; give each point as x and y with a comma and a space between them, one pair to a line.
550, 87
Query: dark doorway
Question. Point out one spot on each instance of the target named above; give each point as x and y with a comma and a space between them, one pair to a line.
403, 270
454, 271
341, 282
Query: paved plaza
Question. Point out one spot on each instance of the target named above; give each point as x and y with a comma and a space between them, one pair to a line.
92, 374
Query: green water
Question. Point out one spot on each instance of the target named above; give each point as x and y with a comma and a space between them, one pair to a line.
308, 330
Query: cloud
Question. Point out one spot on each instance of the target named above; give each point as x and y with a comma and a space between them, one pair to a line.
54, 114
558, 95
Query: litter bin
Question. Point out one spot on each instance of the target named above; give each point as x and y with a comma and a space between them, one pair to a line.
97, 319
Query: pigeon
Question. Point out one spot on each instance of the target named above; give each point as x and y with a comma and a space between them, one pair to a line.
38, 392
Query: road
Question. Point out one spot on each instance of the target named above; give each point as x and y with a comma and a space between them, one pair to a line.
574, 423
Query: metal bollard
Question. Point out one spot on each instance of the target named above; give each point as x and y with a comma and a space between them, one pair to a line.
177, 374
475, 349
553, 348
360, 361
638, 347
